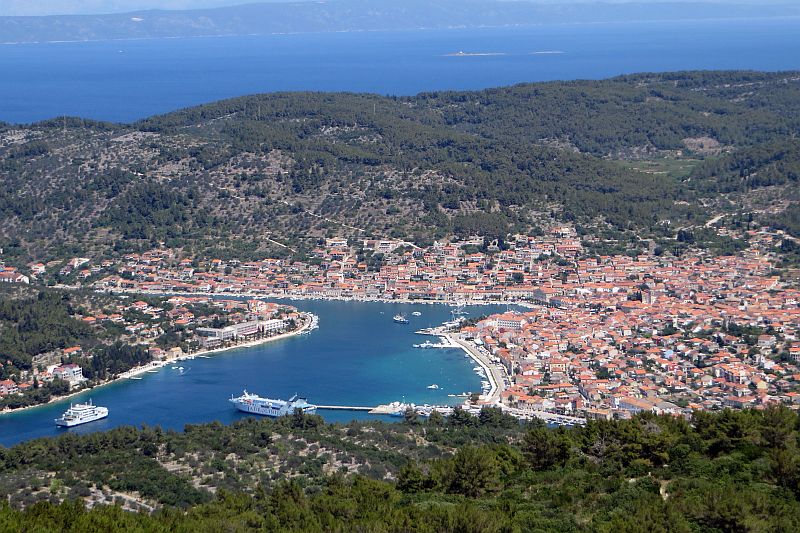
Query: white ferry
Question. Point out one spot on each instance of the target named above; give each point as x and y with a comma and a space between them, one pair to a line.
81, 413
255, 404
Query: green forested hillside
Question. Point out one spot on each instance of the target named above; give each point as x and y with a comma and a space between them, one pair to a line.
43, 322
764, 165
36, 324
236, 176
725, 471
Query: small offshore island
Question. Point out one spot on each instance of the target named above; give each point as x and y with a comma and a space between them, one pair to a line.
461, 53
642, 294
631, 247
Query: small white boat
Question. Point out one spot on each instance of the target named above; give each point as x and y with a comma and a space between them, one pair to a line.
434, 386
416, 313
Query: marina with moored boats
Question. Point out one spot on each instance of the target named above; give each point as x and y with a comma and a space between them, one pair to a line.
333, 365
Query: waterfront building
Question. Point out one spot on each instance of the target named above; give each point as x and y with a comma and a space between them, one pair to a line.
71, 373
659, 328
8, 387
215, 336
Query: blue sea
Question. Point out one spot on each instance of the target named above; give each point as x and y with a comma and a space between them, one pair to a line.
128, 80
358, 356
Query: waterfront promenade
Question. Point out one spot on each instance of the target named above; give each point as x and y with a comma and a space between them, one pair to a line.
335, 365
153, 367
494, 372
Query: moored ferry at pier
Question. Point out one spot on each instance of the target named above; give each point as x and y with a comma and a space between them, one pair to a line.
255, 404
81, 413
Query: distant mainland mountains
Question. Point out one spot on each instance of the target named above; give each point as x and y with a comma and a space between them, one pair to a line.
362, 15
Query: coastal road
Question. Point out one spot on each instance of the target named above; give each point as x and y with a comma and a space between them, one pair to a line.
494, 372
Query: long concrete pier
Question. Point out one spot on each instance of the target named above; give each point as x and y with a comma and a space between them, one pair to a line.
385, 409
345, 408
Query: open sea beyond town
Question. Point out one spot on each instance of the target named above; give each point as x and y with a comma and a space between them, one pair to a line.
358, 356
128, 80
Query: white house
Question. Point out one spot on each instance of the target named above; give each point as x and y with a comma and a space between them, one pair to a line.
12, 276
69, 372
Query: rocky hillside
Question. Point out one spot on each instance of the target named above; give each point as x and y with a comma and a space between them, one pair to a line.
727, 471
634, 157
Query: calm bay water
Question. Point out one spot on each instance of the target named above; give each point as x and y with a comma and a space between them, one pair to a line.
127, 80
358, 356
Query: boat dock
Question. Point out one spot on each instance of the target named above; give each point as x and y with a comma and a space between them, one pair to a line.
389, 409
547, 417
345, 408
376, 410
494, 372
437, 331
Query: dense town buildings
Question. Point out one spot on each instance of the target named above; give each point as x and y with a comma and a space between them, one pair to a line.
608, 335
601, 336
